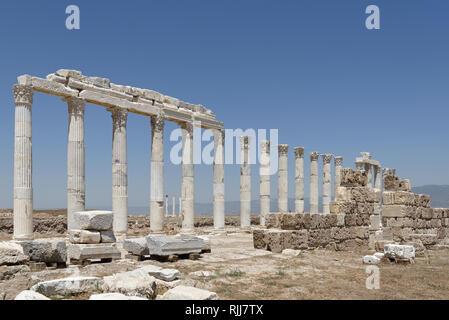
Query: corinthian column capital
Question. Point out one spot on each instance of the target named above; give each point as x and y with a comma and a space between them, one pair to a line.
119, 116
76, 106
338, 161
327, 158
283, 149
314, 156
23, 94
157, 123
299, 152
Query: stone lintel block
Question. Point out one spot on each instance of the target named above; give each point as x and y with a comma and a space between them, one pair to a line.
164, 245
93, 220
53, 88
83, 236
394, 211
93, 251
137, 246
68, 73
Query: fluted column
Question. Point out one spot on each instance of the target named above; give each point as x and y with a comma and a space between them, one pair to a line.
173, 207
76, 182
245, 183
188, 191
314, 182
299, 179
166, 205
264, 172
283, 178
219, 186
157, 175
23, 165
338, 165
377, 177
119, 172
327, 182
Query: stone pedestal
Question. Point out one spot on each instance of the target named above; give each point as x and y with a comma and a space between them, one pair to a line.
245, 183
188, 194
23, 187
157, 175
264, 172
314, 191
338, 165
219, 186
119, 172
76, 185
283, 178
327, 180
299, 180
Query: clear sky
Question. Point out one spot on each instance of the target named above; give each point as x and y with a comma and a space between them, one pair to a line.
308, 68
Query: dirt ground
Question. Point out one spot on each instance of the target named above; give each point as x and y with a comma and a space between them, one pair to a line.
238, 271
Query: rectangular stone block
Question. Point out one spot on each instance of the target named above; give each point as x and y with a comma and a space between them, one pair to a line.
136, 246
259, 239
404, 185
92, 251
353, 178
272, 220
425, 213
93, 220
404, 198
163, 245
107, 236
45, 250
83, 236
388, 197
394, 211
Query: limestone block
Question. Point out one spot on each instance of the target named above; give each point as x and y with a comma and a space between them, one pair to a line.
394, 211
404, 185
97, 81
11, 254
188, 293
93, 220
161, 273
107, 236
291, 252
319, 238
373, 195
340, 219
92, 251
137, 246
114, 296
259, 239
45, 250
424, 200
53, 88
379, 255
68, 286
399, 252
131, 283
207, 243
390, 182
388, 197
353, 178
374, 222
404, 198
164, 245
272, 220
426, 239
83, 236
425, 213
67, 73
30, 295
299, 240
371, 260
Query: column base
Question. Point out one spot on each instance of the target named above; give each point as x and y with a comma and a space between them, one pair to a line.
23, 237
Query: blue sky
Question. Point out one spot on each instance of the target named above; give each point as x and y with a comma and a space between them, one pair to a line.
309, 68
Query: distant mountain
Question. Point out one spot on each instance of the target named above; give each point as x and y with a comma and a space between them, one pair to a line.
438, 193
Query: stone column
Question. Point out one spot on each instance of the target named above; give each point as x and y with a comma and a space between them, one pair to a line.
188, 194
119, 172
219, 186
264, 172
327, 182
377, 177
245, 183
299, 179
173, 207
283, 178
157, 175
314, 182
23, 165
338, 165
166, 205
76, 182
370, 174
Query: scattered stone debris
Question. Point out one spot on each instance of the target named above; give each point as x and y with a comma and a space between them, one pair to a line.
30, 295
371, 260
291, 252
12, 254
187, 293
132, 283
161, 273
68, 286
114, 296
400, 253
202, 273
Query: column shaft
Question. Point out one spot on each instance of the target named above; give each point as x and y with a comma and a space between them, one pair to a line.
23, 165
283, 178
188, 191
76, 183
338, 165
264, 172
377, 177
299, 180
119, 172
327, 182
245, 184
219, 186
314, 182
157, 175
370, 174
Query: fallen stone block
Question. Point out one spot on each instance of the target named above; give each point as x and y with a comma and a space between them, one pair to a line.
207, 245
291, 252
30, 295
107, 236
202, 273
45, 250
82, 252
11, 253
114, 296
68, 286
379, 255
188, 293
137, 246
84, 236
399, 253
161, 273
162, 245
371, 260
131, 283
93, 220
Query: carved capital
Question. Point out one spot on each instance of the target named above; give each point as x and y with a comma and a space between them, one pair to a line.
187, 126
219, 134
244, 141
338, 161
299, 152
119, 117
75, 106
157, 123
327, 158
23, 95
314, 156
265, 146
283, 149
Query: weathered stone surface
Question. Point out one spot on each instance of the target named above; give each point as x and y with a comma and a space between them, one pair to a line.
188, 293
394, 211
93, 251
163, 245
45, 250
67, 286
114, 296
131, 283
11, 254
353, 178
291, 252
30, 295
94, 220
137, 246
83, 236
107, 236
399, 252
371, 260
161, 273
207, 243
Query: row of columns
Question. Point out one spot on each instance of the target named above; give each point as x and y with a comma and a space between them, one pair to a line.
76, 185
